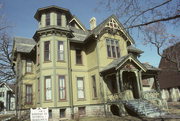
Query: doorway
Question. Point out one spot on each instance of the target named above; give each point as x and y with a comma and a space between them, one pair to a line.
131, 83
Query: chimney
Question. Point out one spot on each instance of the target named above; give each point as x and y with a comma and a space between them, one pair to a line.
92, 23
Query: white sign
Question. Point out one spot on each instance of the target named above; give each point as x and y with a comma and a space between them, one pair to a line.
39, 114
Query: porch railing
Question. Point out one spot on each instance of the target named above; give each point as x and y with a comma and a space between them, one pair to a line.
149, 95
123, 96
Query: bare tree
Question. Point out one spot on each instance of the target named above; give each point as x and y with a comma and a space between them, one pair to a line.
156, 35
7, 72
152, 19
137, 13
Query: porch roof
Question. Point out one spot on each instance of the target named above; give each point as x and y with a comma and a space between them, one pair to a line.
116, 64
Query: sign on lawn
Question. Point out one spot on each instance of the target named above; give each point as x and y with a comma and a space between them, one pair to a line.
39, 114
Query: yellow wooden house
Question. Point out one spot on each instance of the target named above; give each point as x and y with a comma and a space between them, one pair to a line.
75, 71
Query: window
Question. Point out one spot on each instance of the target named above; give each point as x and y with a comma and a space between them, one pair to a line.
81, 110
48, 88
60, 51
47, 51
47, 19
62, 113
78, 57
59, 19
50, 113
1, 94
38, 55
29, 94
38, 90
112, 48
29, 66
80, 87
62, 88
94, 86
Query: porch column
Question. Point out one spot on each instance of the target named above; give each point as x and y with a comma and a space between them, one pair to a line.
117, 81
121, 80
137, 78
140, 80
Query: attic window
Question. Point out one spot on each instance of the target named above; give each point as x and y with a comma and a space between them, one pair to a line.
47, 19
59, 19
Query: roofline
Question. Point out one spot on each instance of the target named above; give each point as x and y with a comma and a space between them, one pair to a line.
48, 8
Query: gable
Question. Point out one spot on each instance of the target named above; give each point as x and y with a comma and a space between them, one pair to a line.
77, 24
112, 25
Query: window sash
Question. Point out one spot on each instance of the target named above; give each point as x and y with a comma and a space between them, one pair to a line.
94, 86
113, 48
29, 94
47, 19
60, 50
28, 66
48, 88
62, 88
47, 51
80, 88
38, 54
59, 19
78, 57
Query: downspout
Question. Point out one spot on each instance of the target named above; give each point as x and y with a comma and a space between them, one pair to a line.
70, 78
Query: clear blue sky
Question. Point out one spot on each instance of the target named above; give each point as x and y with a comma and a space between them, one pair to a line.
20, 14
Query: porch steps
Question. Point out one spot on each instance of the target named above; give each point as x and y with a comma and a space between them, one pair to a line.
144, 108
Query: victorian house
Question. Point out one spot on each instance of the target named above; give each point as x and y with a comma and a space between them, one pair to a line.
75, 71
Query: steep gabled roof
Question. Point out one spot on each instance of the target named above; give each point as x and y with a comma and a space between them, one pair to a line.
24, 45
116, 64
134, 49
78, 22
11, 87
99, 28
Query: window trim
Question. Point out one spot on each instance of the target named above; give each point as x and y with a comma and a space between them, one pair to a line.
31, 67
64, 87
95, 94
83, 88
31, 94
48, 19
64, 112
81, 55
38, 54
116, 48
59, 51
59, 15
46, 77
48, 51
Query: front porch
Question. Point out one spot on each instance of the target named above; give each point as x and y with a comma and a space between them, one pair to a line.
123, 82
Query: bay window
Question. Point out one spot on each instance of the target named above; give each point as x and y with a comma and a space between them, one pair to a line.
60, 51
48, 88
47, 51
29, 94
62, 88
80, 88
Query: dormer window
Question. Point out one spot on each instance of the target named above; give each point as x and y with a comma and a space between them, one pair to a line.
59, 19
47, 19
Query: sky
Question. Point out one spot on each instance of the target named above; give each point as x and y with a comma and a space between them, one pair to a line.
20, 15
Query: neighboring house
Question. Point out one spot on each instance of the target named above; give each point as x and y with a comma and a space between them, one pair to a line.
169, 76
72, 70
7, 97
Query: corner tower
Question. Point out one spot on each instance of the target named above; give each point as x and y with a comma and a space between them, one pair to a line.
52, 55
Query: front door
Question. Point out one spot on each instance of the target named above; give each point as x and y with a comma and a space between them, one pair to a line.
130, 82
